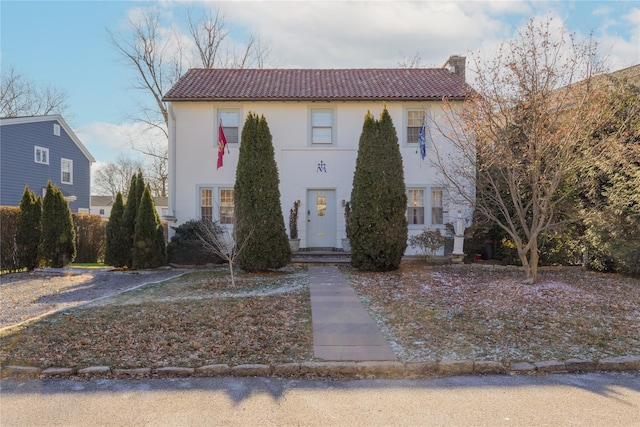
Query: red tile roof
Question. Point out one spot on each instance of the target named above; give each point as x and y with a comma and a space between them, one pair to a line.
320, 84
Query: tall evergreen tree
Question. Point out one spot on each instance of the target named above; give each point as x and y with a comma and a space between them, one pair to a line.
149, 249
29, 229
117, 246
130, 215
259, 220
58, 232
378, 224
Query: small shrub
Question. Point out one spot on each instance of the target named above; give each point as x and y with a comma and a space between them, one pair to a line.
429, 241
186, 248
293, 220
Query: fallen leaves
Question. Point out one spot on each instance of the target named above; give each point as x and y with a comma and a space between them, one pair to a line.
435, 313
192, 333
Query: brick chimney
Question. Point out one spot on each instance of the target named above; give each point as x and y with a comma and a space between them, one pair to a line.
456, 64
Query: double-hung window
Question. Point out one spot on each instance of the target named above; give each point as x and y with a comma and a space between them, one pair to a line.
41, 155
415, 206
226, 206
437, 213
415, 120
230, 120
322, 126
66, 166
206, 204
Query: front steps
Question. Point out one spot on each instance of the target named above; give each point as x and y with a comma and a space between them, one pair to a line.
320, 256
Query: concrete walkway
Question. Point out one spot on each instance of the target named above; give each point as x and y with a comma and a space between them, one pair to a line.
342, 328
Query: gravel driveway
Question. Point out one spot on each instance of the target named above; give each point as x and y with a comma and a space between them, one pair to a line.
25, 296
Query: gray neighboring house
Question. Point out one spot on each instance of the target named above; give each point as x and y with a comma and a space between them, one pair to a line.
34, 150
101, 205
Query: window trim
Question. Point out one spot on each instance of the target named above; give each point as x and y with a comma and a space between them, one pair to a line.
333, 127
37, 148
62, 172
219, 112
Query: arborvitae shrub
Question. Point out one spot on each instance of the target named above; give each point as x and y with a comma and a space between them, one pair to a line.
29, 230
378, 225
58, 232
149, 249
118, 245
258, 213
136, 188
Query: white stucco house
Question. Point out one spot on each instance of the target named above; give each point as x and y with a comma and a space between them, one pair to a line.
315, 117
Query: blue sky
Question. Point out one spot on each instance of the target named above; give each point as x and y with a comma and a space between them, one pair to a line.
66, 42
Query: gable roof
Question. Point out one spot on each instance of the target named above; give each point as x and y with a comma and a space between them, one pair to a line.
6, 121
391, 84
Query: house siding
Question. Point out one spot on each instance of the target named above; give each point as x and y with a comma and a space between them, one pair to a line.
18, 167
193, 155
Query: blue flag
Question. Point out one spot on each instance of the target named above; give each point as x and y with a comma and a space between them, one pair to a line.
423, 144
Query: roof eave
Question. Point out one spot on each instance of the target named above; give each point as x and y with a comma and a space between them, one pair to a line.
305, 99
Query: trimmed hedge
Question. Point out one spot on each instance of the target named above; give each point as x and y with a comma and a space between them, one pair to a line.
90, 237
8, 248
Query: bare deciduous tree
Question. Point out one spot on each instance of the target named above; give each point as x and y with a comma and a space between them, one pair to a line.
115, 177
161, 55
521, 138
20, 96
414, 61
222, 242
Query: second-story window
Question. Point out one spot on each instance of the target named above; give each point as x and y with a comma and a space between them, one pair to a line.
322, 126
230, 122
415, 120
41, 155
67, 171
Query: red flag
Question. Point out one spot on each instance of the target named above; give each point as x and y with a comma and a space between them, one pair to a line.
222, 143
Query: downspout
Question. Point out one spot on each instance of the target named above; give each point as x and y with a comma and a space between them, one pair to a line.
171, 217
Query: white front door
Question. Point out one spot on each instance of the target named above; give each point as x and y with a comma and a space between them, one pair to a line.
321, 218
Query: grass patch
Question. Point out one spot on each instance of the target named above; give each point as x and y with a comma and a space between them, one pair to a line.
88, 265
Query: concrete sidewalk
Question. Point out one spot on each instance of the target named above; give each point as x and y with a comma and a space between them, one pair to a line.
342, 328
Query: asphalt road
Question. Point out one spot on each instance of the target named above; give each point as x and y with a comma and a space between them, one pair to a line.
590, 399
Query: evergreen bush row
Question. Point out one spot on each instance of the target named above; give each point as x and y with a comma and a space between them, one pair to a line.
46, 233
135, 235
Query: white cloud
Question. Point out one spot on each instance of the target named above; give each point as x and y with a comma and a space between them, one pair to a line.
370, 34
633, 17
107, 141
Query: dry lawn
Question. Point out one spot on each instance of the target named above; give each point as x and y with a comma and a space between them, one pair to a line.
448, 313
194, 320
426, 313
